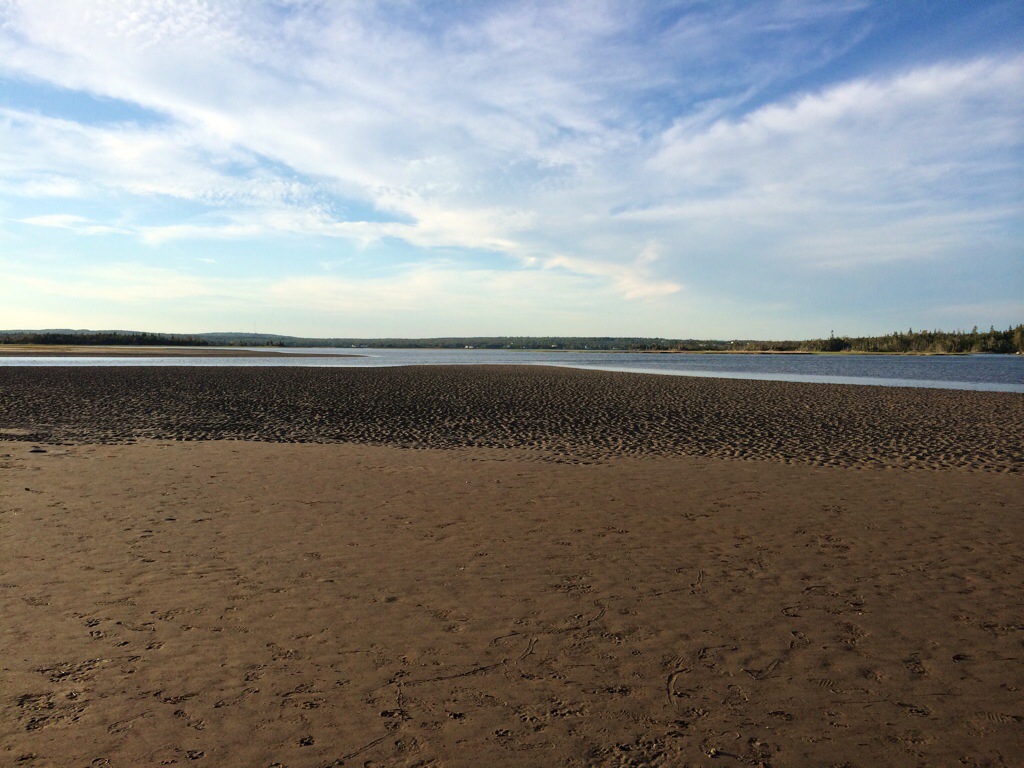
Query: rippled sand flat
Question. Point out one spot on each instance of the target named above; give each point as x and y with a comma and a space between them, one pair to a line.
557, 413
575, 570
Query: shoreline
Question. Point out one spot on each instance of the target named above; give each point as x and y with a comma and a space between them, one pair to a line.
61, 350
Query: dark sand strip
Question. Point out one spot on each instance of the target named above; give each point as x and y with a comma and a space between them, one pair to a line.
558, 413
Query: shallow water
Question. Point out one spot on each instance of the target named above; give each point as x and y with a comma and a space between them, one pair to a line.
998, 373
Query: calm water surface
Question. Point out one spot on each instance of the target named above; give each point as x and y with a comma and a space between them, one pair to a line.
1000, 373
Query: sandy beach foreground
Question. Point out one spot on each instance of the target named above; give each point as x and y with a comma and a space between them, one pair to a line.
578, 570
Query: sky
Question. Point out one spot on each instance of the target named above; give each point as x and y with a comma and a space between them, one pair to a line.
683, 169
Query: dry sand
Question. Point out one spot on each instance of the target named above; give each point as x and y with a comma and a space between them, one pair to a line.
576, 573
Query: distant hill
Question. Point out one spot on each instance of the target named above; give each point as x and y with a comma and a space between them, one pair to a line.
250, 339
69, 331
910, 342
462, 342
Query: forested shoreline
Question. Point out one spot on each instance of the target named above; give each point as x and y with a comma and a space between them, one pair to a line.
992, 341
101, 339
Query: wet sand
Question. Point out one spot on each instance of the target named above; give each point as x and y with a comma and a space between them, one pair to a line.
578, 569
556, 413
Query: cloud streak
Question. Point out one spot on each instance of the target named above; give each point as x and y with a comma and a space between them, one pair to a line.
544, 138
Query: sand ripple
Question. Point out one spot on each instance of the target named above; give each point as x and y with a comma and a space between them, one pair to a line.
565, 414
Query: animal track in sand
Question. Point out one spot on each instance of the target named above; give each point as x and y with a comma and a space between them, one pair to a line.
914, 665
192, 722
74, 672
42, 710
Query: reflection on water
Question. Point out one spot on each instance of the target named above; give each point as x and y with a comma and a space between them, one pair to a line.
1003, 373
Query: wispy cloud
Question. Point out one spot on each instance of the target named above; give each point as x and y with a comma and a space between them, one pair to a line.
629, 148
78, 224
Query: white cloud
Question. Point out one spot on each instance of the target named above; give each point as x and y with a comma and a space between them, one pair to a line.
633, 279
908, 123
61, 220
869, 170
571, 140
78, 224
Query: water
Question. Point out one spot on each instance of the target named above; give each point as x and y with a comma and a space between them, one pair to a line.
998, 373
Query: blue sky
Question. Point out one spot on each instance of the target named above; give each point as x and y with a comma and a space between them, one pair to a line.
682, 169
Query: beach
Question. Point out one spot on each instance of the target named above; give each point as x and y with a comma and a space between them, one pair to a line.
506, 565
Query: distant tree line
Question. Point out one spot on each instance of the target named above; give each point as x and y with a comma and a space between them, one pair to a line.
922, 342
102, 338
456, 342
508, 342
910, 342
